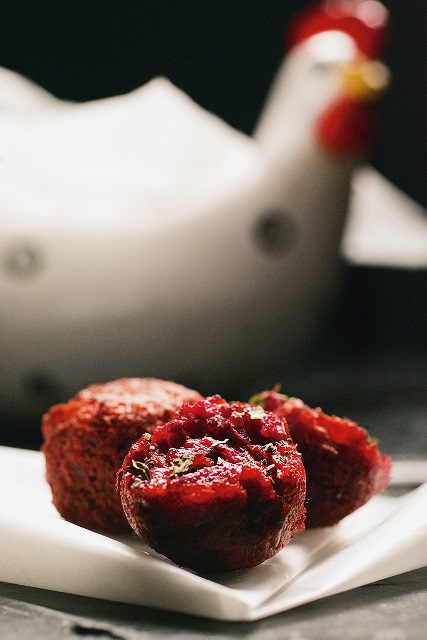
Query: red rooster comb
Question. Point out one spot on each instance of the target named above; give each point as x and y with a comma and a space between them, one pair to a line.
365, 21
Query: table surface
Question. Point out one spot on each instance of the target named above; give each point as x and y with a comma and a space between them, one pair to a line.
392, 609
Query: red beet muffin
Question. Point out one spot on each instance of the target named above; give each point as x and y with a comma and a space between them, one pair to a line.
343, 464
219, 487
86, 439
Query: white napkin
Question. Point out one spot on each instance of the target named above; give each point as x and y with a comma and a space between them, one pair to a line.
386, 537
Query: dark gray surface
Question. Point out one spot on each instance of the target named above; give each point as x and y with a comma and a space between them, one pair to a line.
392, 609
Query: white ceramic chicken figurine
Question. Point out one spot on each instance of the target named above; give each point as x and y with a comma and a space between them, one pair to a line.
141, 235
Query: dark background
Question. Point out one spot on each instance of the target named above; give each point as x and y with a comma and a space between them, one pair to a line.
224, 54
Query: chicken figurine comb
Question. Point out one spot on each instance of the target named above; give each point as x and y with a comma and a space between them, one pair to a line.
142, 235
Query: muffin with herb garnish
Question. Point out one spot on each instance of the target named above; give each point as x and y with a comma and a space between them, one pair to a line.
219, 487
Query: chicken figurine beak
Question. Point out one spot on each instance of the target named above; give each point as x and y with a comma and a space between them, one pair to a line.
364, 79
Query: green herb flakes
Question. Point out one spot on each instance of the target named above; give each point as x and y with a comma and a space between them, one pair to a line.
181, 465
269, 447
143, 467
